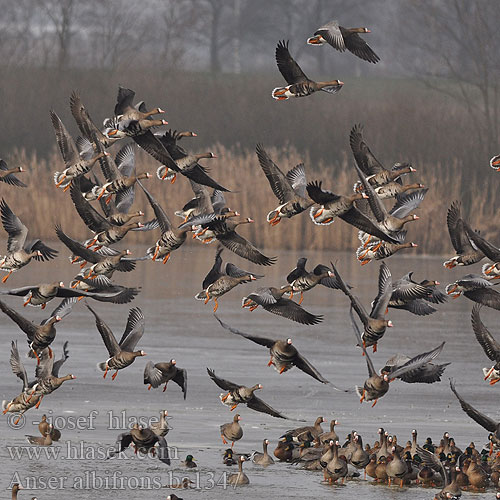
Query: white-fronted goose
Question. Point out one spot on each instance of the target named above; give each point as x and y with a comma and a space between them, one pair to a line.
495, 165
317, 458
427, 373
272, 299
476, 288
39, 295
29, 397
116, 211
239, 478
341, 38
375, 173
75, 164
396, 468
19, 251
407, 287
405, 203
218, 282
103, 224
18, 369
284, 355
380, 250
121, 353
101, 284
161, 373
376, 386
144, 441
483, 420
184, 161
414, 297
466, 253
112, 235
390, 223
359, 457
20, 404
337, 467
46, 381
202, 232
176, 160
171, 238
374, 324
87, 127
301, 280
125, 109
120, 176
169, 140
451, 489
237, 394
231, 431
225, 232
7, 174
394, 189
490, 346
101, 264
298, 83
39, 336
138, 129
264, 458
330, 435
202, 209
161, 428
202, 203
332, 205
490, 251
290, 189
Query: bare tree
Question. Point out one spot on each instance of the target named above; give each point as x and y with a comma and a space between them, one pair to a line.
176, 21
455, 52
61, 15
115, 33
217, 29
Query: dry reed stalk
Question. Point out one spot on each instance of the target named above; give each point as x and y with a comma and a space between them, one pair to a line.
41, 205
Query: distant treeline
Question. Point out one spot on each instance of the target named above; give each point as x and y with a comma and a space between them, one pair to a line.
403, 120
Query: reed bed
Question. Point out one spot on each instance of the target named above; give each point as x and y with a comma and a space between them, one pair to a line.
41, 205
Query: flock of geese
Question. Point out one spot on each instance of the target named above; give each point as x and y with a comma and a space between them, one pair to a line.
105, 203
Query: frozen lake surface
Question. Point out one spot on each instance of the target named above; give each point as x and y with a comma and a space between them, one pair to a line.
178, 326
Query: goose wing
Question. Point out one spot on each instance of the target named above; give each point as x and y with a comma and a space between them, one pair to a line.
483, 420
287, 65
490, 346
106, 334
